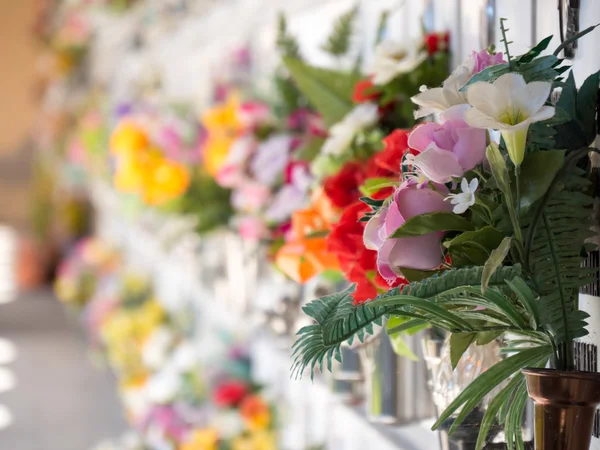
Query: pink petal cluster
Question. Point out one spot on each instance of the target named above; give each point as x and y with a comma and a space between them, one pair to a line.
420, 252
449, 149
484, 59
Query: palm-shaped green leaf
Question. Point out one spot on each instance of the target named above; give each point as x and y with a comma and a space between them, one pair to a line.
338, 319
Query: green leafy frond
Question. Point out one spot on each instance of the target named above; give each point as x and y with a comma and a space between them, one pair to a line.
557, 252
338, 319
339, 41
286, 43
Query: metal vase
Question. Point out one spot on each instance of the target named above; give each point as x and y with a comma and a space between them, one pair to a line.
565, 405
395, 387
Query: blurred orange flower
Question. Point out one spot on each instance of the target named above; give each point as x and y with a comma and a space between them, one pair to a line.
128, 138
255, 412
306, 255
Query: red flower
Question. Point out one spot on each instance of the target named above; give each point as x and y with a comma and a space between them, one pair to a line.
342, 188
230, 393
388, 162
364, 91
437, 42
357, 262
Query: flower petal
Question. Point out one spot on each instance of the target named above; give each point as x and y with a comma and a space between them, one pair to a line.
464, 185
486, 98
420, 253
537, 93
460, 208
473, 185
480, 119
545, 113
371, 235
509, 83
430, 101
420, 137
438, 165
470, 146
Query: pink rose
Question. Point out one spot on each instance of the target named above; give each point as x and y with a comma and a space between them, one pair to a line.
252, 228
483, 59
420, 252
250, 197
449, 149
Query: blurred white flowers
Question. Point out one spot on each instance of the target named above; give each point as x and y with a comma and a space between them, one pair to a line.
392, 59
163, 386
509, 105
341, 134
466, 198
157, 348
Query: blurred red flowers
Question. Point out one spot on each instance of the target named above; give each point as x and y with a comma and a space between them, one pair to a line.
364, 91
437, 42
230, 393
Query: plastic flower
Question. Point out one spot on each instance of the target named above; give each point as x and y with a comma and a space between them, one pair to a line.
166, 181
164, 386
441, 98
436, 42
157, 348
306, 254
509, 105
392, 59
466, 198
419, 252
449, 149
271, 158
342, 133
255, 441
255, 412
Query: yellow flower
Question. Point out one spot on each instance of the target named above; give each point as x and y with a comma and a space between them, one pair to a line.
128, 138
223, 127
263, 440
206, 439
168, 180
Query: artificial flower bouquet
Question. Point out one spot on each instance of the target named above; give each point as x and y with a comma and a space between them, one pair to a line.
485, 230
361, 155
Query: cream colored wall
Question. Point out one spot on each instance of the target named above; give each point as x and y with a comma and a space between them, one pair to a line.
17, 66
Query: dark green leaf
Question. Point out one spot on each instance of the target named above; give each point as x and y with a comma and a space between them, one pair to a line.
430, 222
573, 38
537, 172
535, 51
459, 343
494, 261
485, 337
401, 348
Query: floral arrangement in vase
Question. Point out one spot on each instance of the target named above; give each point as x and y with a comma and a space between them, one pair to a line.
485, 231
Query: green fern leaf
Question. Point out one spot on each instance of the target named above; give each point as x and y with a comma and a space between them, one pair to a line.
557, 252
338, 43
286, 43
338, 319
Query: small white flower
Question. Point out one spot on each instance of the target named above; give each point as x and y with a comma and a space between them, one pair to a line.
342, 133
509, 105
466, 198
392, 59
440, 99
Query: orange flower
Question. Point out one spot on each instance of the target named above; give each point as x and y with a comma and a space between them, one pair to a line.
128, 138
255, 412
306, 255
167, 181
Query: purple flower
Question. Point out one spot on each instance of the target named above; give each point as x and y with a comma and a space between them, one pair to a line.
484, 59
449, 149
420, 252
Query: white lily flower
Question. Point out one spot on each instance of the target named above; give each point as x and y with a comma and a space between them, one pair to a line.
466, 198
392, 59
341, 134
509, 105
440, 99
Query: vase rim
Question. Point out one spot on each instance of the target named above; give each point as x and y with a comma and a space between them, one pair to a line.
574, 374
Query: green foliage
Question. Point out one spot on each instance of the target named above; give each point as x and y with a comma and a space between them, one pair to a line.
286, 43
580, 107
430, 222
556, 233
497, 257
329, 91
339, 41
338, 320
474, 247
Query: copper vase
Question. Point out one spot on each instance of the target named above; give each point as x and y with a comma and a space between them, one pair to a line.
565, 404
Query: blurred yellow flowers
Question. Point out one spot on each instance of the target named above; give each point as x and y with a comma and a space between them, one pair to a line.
207, 439
224, 127
142, 168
